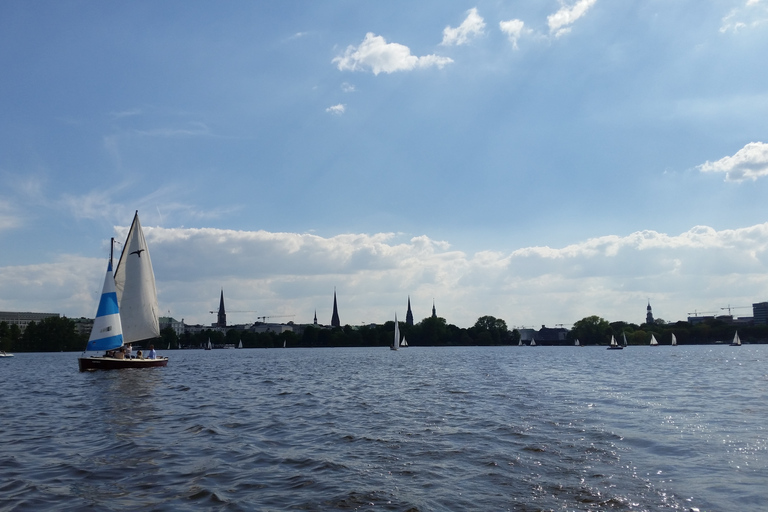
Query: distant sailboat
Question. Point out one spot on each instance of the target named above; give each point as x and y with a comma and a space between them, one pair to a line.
674, 340
403, 344
240, 345
533, 342
736, 340
577, 342
614, 345
625, 338
396, 342
520, 343
654, 343
209, 346
5, 354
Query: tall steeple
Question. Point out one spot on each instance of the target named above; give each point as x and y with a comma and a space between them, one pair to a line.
649, 314
222, 315
315, 317
434, 313
409, 314
335, 322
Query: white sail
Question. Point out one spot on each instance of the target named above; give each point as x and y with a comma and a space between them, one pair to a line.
577, 342
403, 343
533, 342
396, 342
613, 341
674, 340
240, 345
736, 340
135, 287
625, 338
653, 341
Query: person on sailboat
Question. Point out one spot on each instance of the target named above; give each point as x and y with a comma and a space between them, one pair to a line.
128, 350
152, 354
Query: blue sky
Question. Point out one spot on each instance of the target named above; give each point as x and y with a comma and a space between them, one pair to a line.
535, 161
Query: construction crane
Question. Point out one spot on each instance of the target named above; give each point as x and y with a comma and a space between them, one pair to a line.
729, 308
231, 311
697, 313
264, 317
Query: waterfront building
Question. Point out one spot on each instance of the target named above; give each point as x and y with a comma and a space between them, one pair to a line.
23, 319
760, 313
177, 326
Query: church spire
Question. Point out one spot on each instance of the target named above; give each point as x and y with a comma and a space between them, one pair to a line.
315, 317
409, 314
434, 313
335, 322
649, 314
222, 321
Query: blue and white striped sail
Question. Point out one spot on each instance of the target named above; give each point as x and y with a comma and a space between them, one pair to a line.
107, 333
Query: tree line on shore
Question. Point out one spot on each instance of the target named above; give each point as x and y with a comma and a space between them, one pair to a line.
56, 334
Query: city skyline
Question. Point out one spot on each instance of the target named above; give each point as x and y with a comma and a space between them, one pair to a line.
536, 162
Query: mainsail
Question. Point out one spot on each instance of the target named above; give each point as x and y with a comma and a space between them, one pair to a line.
396, 343
107, 332
135, 288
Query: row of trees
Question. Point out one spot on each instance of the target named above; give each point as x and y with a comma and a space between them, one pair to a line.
56, 334
52, 334
429, 332
594, 330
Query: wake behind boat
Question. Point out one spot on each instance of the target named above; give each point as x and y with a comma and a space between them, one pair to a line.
127, 312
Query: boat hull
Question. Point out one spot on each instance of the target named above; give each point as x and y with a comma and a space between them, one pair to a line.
112, 363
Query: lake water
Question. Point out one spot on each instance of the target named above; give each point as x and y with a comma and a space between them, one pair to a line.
420, 429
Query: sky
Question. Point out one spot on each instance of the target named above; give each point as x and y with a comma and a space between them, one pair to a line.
539, 162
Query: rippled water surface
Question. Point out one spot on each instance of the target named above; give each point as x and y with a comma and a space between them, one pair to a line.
420, 429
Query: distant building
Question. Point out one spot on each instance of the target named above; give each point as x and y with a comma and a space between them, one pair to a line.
83, 326
177, 326
222, 319
23, 319
649, 314
276, 328
760, 313
409, 314
551, 336
335, 322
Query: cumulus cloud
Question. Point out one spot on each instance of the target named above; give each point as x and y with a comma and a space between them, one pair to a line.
514, 29
470, 28
561, 21
378, 56
290, 273
750, 162
336, 109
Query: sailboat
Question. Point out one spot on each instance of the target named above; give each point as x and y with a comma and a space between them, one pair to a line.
403, 344
576, 343
614, 345
209, 346
3, 353
736, 340
520, 343
533, 342
127, 311
674, 340
240, 345
396, 342
625, 338
654, 343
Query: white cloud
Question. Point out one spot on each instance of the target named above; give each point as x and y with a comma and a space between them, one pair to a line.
336, 109
752, 14
560, 22
289, 273
347, 87
514, 29
378, 56
471, 27
750, 162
